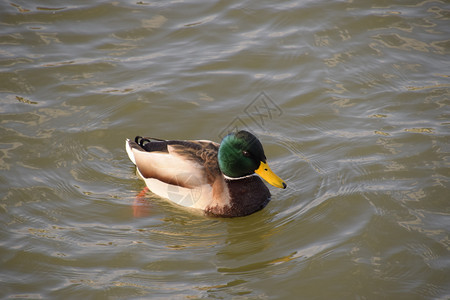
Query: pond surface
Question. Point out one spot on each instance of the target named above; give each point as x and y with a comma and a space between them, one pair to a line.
349, 98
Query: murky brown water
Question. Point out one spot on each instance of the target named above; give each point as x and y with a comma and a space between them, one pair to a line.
349, 98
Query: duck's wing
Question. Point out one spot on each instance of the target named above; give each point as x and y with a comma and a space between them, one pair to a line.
187, 164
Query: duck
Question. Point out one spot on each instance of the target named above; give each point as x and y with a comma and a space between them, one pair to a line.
222, 180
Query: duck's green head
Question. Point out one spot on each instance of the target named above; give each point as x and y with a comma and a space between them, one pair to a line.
241, 154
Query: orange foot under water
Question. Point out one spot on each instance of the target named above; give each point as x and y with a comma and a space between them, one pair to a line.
141, 206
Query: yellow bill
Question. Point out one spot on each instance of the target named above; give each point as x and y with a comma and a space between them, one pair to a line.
265, 172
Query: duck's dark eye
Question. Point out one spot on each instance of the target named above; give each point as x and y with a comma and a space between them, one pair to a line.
245, 153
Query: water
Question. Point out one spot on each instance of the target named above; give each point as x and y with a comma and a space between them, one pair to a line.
350, 99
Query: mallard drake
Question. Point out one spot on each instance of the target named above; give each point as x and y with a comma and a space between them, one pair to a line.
217, 178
